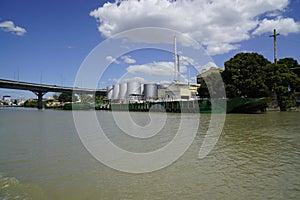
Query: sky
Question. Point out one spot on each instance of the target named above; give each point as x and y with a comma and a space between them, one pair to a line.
46, 41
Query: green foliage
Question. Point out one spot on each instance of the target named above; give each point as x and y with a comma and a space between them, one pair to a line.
85, 98
253, 76
212, 86
203, 90
55, 96
99, 99
283, 82
289, 62
292, 64
244, 76
31, 103
67, 97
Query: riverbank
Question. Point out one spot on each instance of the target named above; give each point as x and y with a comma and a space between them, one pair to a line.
12, 106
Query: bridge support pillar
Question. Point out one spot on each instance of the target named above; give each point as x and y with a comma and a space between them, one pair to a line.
40, 95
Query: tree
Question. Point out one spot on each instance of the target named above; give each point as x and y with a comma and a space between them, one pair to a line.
292, 64
244, 76
99, 99
203, 90
55, 97
85, 98
67, 97
283, 82
289, 62
211, 84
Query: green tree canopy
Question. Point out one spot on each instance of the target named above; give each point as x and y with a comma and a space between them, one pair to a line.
292, 64
289, 62
100, 99
251, 75
55, 96
281, 80
244, 76
211, 84
85, 98
67, 97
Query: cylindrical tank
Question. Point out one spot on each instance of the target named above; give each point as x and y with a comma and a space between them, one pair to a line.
150, 91
133, 88
142, 88
109, 92
116, 92
122, 91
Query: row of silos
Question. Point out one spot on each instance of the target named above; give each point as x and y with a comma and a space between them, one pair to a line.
122, 92
150, 91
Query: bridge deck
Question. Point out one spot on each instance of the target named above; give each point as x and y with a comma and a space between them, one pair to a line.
35, 87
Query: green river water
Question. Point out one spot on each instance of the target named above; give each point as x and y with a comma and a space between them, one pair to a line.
256, 157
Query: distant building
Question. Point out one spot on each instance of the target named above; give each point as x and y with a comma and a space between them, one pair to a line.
50, 98
6, 99
200, 77
20, 102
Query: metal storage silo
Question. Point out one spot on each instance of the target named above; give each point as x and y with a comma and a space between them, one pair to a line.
150, 91
134, 93
122, 91
133, 88
142, 88
116, 92
109, 92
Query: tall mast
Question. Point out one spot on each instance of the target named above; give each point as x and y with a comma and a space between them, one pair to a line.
178, 69
175, 60
189, 75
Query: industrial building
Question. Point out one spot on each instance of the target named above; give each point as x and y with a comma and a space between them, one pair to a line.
131, 92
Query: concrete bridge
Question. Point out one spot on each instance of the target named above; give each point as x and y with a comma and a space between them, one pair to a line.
41, 89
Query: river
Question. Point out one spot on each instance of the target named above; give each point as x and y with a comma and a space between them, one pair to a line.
256, 157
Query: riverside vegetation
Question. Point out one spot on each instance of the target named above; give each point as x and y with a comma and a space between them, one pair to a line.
246, 75
253, 76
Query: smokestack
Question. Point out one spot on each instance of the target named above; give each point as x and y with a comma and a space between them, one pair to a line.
175, 59
178, 69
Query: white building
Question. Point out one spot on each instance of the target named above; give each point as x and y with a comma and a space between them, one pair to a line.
6, 99
178, 91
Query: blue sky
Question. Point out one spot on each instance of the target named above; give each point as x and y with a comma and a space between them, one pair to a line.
47, 41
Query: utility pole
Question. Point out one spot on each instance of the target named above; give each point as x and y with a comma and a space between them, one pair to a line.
275, 48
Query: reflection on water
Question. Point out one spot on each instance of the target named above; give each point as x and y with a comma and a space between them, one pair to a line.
256, 157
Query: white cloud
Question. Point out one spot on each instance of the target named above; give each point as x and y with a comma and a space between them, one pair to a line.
112, 60
128, 59
283, 25
154, 69
113, 80
9, 26
206, 67
185, 60
218, 24
133, 79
